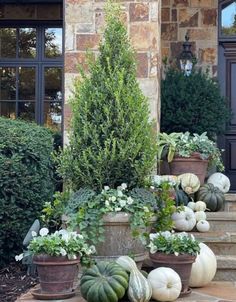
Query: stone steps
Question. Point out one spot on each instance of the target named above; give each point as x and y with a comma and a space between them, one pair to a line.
222, 221
230, 202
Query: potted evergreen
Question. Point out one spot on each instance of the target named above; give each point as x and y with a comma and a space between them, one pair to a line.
112, 141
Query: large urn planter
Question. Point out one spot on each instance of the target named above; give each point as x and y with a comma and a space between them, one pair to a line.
119, 240
182, 264
56, 277
194, 164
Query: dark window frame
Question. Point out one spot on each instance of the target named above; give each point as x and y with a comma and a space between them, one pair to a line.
40, 62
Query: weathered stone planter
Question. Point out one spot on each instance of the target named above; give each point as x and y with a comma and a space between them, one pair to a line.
119, 240
194, 164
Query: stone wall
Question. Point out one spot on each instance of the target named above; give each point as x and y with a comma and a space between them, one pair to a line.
197, 17
84, 21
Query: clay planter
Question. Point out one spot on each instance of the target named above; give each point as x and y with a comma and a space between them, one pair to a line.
193, 164
56, 274
182, 264
119, 240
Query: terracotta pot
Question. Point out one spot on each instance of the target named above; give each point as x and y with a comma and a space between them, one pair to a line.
56, 274
119, 240
193, 164
182, 264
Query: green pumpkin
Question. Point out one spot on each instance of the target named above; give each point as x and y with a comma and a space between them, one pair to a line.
104, 282
212, 196
181, 198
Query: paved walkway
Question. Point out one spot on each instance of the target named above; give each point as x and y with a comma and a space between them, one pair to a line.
214, 292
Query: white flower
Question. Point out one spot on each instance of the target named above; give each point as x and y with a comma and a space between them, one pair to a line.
122, 203
107, 203
117, 209
153, 236
62, 232
119, 193
153, 248
34, 234
152, 187
91, 250
106, 188
80, 236
146, 209
63, 252
166, 234
130, 200
19, 257
123, 186
43, 232
113, 198
176, 254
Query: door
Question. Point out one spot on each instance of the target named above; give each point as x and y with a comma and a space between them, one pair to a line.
227, 79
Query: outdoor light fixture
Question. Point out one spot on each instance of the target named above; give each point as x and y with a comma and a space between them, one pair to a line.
186, 57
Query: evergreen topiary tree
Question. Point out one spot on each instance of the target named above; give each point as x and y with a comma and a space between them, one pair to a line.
192, 103
111, 140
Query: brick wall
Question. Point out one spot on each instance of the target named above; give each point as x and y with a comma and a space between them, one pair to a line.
197, 17
84, 21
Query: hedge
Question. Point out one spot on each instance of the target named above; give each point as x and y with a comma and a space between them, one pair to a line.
26, 181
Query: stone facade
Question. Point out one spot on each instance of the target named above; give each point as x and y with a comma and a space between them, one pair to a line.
84, 21
197, 17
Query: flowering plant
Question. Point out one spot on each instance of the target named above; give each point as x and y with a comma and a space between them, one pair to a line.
173, 243
60, 243
85, 211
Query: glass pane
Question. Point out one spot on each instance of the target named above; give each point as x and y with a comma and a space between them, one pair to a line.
26, 111
7, 83
53, 42
26, 83
7, 42
53, 83
27, 42
8, 109
53, 115
228, 19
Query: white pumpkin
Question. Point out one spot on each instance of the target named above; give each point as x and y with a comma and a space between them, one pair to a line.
191, 205
166, 284
203, 226
200, 215
190, 183
204, 267
200, 206
184, 220
220, 181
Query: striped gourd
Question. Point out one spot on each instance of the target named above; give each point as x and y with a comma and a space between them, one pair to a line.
139, 289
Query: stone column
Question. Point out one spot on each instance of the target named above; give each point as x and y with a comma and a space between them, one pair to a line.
84, 21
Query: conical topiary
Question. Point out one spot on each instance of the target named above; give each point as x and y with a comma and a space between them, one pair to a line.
112, 140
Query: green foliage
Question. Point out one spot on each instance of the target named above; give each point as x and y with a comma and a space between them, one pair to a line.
111, 139
85, 210
165, 207
185, 144
171, 243
192, 103
53, 210
26, 181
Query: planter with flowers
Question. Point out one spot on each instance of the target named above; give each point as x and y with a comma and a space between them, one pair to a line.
116, 221
57, 256
188, 153
174, 250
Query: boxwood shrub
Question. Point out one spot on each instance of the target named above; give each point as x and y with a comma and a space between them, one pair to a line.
26, 181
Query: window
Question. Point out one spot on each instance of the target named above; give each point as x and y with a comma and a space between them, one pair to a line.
31, 61
228, 18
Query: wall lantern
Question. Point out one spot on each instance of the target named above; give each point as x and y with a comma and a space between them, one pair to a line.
186, 57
